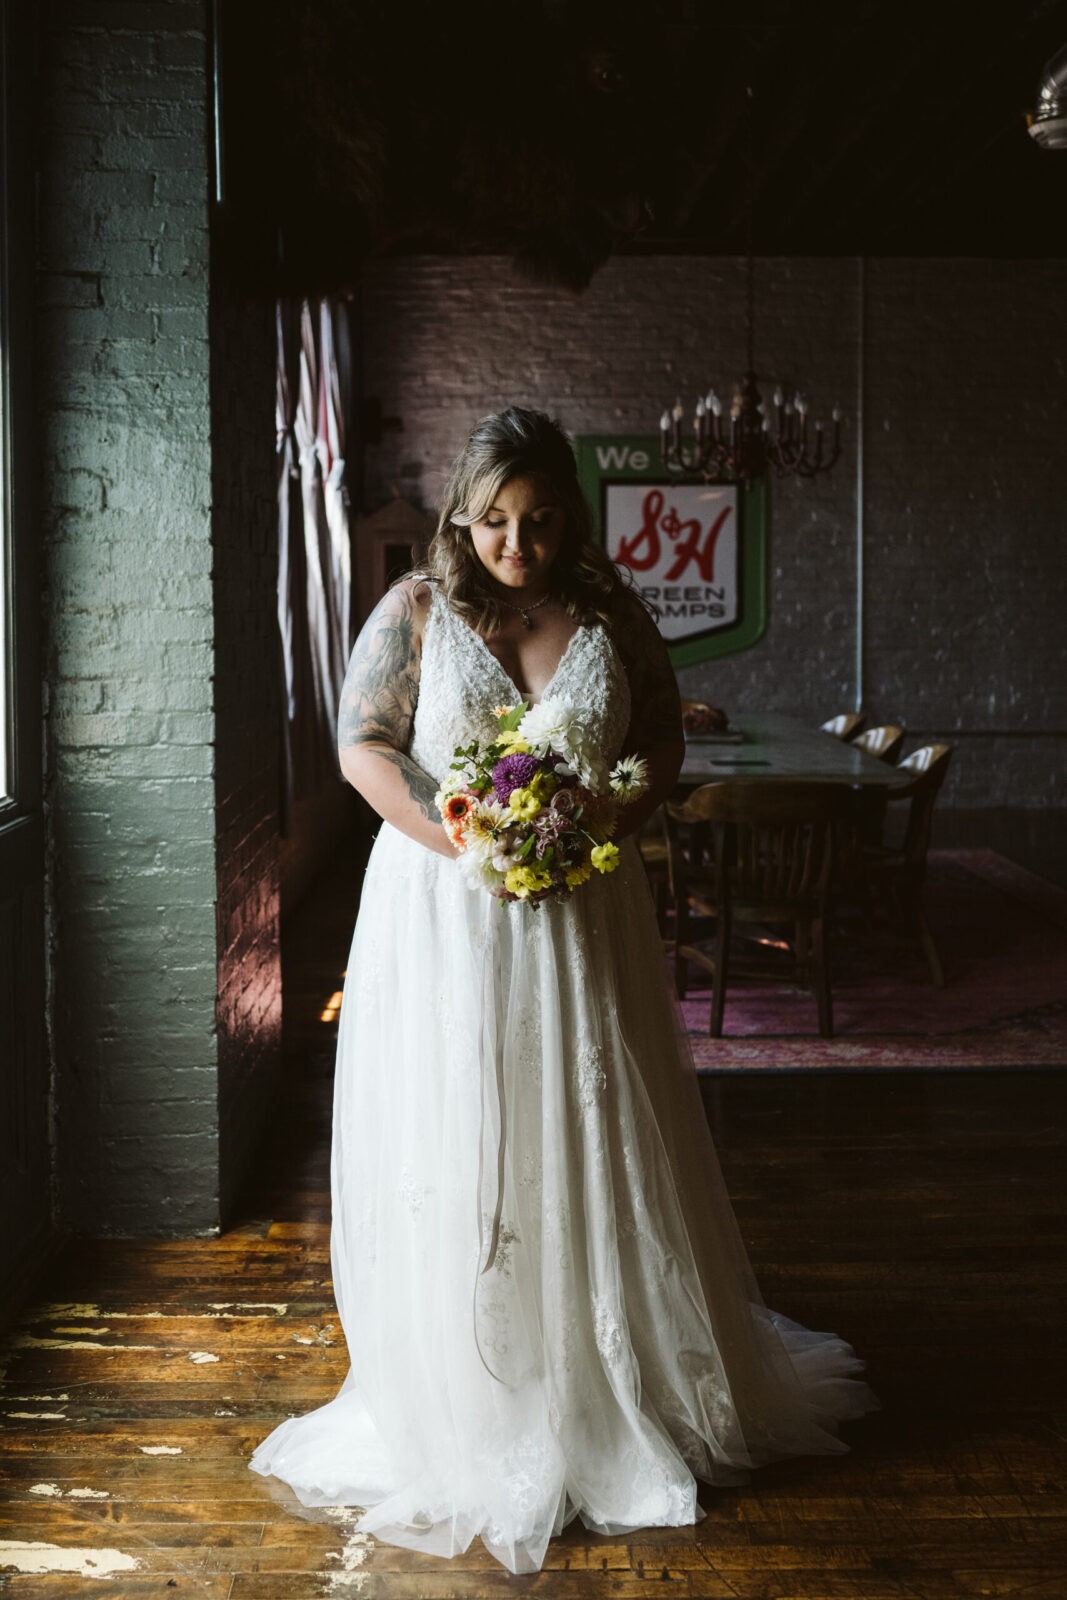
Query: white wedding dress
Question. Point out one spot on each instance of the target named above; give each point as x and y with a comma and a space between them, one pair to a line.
548, 1307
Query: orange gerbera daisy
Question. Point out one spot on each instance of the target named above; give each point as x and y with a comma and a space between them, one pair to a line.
457, 811
458, 808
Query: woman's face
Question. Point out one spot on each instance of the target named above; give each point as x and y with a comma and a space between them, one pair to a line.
518, 537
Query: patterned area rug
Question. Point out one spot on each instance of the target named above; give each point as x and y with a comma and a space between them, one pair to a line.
1002, 934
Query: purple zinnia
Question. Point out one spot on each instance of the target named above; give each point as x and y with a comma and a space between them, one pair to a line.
513, 772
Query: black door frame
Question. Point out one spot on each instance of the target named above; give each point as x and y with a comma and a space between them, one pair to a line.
25, 1175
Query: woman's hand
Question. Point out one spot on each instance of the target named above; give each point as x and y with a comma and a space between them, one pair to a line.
655, 730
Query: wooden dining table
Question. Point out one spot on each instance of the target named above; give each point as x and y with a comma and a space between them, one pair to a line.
774, 745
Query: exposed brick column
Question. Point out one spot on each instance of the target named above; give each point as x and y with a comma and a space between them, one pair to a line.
140, 828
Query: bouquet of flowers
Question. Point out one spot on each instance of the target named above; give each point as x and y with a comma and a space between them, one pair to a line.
533, 813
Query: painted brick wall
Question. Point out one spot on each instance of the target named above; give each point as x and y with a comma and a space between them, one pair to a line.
966, 517
158, 786
964, 557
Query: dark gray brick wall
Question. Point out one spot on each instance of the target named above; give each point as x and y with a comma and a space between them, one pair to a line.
965, 406
967, 560
160, 796
126, 503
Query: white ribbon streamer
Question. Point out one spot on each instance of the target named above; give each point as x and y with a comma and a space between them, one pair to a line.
493, 1120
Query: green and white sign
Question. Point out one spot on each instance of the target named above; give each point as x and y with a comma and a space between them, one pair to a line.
697, 550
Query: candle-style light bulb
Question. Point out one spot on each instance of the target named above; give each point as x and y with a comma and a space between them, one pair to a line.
714, 403
836, 414
779, 398
665, 422
679, 410
701, 413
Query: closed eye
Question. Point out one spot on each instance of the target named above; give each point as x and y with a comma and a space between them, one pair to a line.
542, 520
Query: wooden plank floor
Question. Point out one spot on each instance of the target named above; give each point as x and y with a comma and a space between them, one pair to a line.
919, 1216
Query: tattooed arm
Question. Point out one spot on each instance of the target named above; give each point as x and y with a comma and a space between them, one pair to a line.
655, 730
381, 690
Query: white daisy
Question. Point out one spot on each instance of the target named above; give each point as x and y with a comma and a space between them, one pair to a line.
629, 777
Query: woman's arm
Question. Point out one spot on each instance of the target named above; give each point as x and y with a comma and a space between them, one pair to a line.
655, 730
381, 690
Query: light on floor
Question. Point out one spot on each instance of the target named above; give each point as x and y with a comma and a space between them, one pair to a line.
330, 1010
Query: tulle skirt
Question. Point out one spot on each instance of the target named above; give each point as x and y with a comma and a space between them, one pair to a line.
548, 1307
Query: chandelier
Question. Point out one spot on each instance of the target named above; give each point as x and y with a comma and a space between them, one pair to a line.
747, 443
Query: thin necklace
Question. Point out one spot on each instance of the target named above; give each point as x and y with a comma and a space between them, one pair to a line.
524, 611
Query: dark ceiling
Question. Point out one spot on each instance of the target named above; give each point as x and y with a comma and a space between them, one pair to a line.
882, 130
560, 131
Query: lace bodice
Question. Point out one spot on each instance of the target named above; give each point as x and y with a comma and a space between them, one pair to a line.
462, 682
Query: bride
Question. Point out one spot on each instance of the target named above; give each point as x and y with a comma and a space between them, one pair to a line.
548, 1307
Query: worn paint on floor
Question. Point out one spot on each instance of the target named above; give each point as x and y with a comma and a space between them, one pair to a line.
33, 1556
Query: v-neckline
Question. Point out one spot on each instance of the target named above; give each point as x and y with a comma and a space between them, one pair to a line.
506, 676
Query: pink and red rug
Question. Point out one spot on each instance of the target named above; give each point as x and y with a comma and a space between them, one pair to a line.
1002, 934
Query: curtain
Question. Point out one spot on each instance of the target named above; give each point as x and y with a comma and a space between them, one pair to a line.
333, 387
315, 601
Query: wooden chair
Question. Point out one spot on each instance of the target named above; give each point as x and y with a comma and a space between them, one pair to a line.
846, 725
769, 863
654, 845
897, 873
657, 843
884, 742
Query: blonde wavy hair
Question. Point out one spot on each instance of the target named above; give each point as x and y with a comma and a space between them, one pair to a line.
505, 445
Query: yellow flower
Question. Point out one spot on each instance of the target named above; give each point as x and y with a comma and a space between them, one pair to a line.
543, 785
512, 745
524, 804
525, 880
577, 875
604, 857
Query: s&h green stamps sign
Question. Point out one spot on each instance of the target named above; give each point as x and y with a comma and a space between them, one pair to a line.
697, 550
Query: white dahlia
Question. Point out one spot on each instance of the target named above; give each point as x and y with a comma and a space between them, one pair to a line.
559, 726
